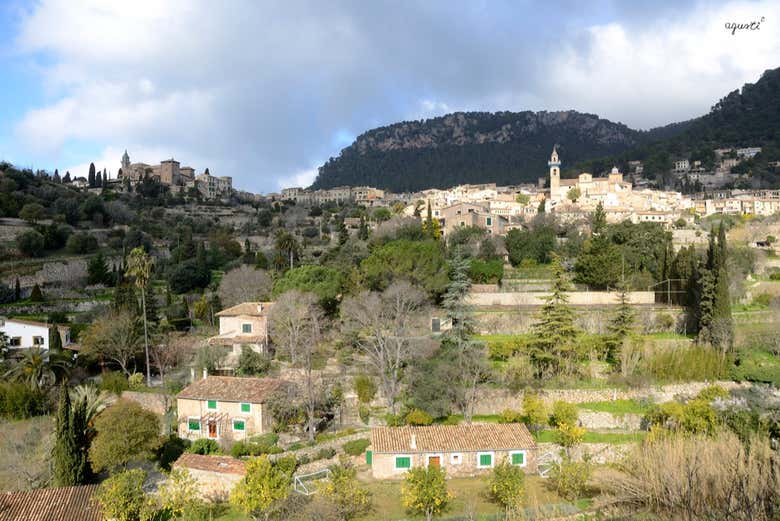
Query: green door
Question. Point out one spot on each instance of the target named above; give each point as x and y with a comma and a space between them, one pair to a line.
369, 457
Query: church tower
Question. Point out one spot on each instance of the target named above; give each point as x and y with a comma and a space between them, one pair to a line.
125, 164
555, 175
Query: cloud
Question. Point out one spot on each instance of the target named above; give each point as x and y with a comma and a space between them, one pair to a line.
262, 91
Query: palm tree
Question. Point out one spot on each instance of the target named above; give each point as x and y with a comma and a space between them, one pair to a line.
139, 265
286, 243
96, 399
37, 367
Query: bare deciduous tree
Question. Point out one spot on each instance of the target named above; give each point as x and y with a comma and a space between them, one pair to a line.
114, 337
296, 322
168, 351
244, 284
385, 326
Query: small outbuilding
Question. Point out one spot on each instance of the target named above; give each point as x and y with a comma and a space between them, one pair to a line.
215, 475
462, 450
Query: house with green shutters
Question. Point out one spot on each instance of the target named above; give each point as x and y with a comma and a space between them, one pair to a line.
462, 450
225, 408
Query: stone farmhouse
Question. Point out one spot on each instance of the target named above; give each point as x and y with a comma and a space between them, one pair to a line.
245, 324
225, 408
28, 334
215, 475
462, 450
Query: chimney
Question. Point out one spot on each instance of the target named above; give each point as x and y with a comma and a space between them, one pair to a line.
192, 374
205, 373
413, 444
260, 307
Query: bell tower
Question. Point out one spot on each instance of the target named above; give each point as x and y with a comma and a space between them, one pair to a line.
126, 164
555, 175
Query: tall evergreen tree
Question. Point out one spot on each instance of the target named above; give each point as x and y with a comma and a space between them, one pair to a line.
65, 453
554, 348
55, 341
97, 270
91, 176
363, 231
66, 178
17, 290
56, 177
622, 324
99, 180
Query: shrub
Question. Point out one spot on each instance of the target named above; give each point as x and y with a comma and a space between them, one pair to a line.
693, 363
30, 243
418, 417
365, 413
365, 388
205, 447
356, 447
774, 275
121, 497
518, 373
394, 420
510, 416
534, 411
486, 272
326, 453
452, 419
170, 449
712, 393
569, 435
135, 381
252, 363
19, 401
114, 382
507, 485
81, 242
569, 477
563, 413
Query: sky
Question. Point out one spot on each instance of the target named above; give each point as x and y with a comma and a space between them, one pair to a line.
267, 91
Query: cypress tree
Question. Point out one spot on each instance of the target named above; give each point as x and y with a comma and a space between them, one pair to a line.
66, 179
363, 231
82, 440
55, 341
56, 177
65, 452
706, 306
99, 180
622, 324
36, 295
91, 175
97, 270
17, 290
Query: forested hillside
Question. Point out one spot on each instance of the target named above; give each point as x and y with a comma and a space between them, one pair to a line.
513, 147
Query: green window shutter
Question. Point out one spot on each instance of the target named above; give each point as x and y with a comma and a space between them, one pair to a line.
518, 458
485, 460
245, 407
369, 458
194, 425
403, 462
211, 404
246, 328
238, 425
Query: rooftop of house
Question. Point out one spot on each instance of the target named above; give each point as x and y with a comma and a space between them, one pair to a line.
449, 438
231, 389
62, 504
31, 323
220, 464
255, 309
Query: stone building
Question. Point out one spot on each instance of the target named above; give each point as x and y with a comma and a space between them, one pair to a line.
243, 324
225, 408
215, 475
461, 450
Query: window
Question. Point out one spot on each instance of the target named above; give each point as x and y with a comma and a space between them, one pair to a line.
435, 325
193, 424
517, 458
489, 221
246, 328
456, 459
246, 407
403, 462
484, 460
15, 341
239, 425
211, 405
37, 340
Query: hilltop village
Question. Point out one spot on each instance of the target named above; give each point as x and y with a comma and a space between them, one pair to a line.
172, 346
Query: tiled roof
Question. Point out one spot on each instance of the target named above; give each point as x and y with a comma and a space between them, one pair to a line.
446, 438
36, 323
231, 389
221, 464
255, 309
62, 504
228, 340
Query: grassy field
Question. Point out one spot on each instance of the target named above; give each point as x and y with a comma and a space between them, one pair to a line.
616, 406
596, 437
25, 448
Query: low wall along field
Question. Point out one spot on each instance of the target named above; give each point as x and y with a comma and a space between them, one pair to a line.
578, 298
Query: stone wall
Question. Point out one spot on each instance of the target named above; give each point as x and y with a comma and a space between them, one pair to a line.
493, 401
577, 298
594, 420
158, 403
600, 453
332, 444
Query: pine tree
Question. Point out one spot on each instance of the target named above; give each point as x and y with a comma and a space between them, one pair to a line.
56, 177
91, 176
65, 453
17, 290
554, 348
66, 179
453, 301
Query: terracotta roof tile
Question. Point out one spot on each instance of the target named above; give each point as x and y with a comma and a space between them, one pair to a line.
451, 438
220, 464
254, 309
47, 504
231, 389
